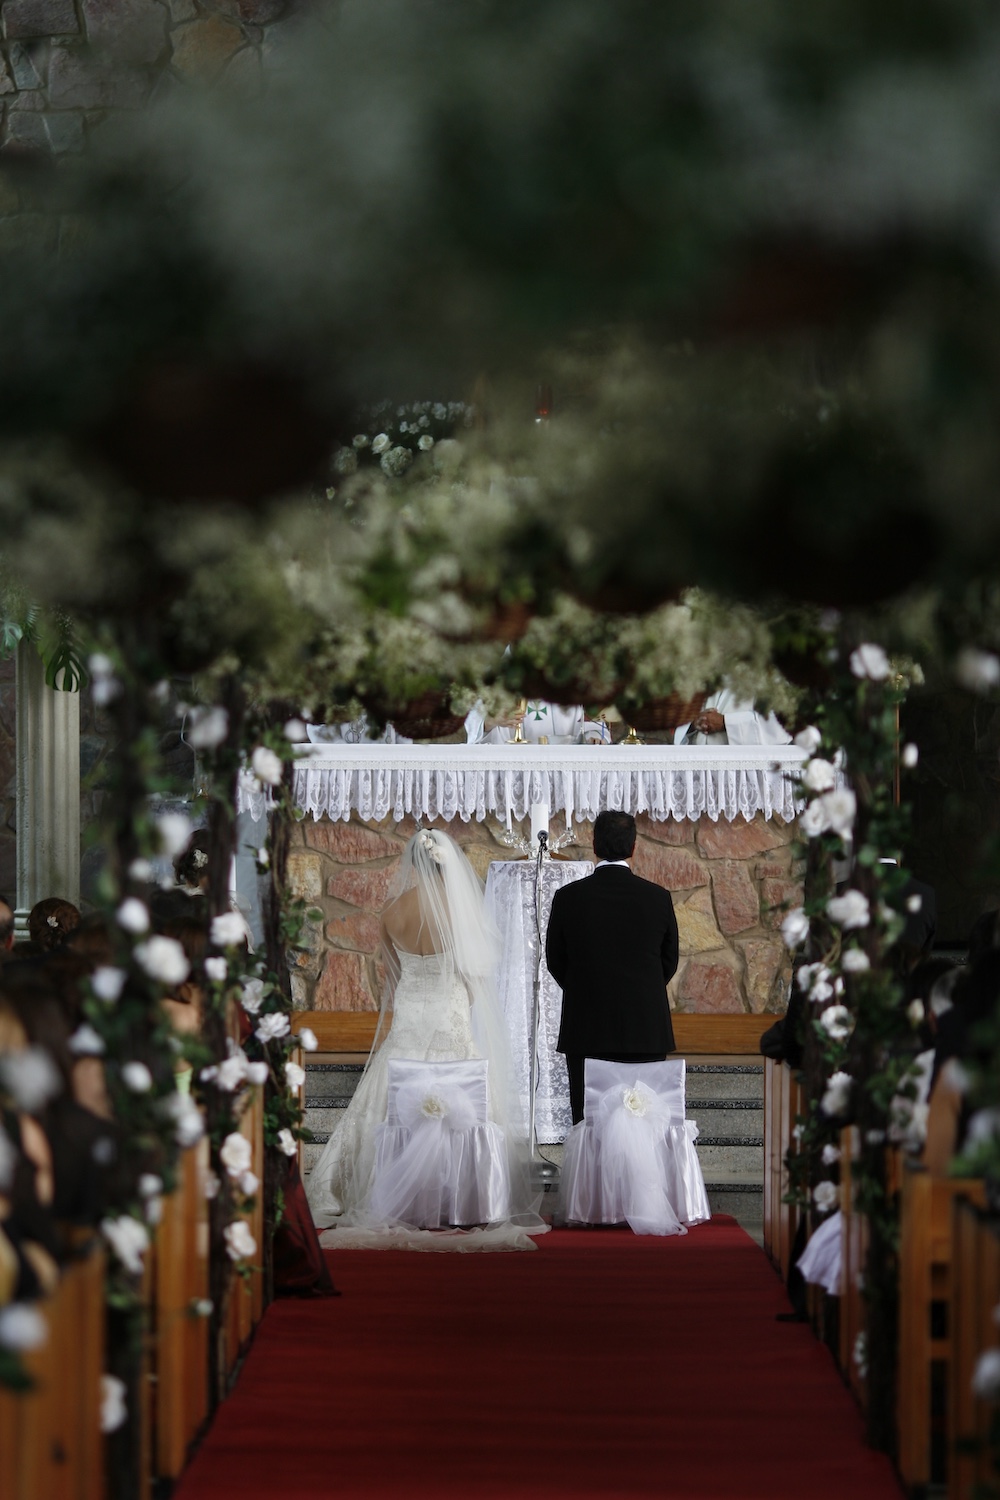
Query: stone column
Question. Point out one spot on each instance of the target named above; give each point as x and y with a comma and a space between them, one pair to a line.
48, 788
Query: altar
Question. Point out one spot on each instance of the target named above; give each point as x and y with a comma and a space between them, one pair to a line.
716, 826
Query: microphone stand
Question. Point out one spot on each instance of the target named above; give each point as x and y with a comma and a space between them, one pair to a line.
544, 1172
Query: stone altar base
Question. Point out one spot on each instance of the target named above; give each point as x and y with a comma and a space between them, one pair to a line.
730, 882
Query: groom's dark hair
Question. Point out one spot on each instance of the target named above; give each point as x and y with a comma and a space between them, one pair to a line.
614, 835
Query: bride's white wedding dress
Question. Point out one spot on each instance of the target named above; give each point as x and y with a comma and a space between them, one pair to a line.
431, 1023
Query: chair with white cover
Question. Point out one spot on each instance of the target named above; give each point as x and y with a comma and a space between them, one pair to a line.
440, 1160
632, 1157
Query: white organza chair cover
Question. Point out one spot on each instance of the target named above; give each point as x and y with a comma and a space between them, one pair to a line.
439, 1159
632, 1158
822, 1259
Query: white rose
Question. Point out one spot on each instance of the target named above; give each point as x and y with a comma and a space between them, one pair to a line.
433, 1108
140, 869
150, 1185
236, 1154
288, 1144
136, 1077
295, 1076
840, 808
915, 1012
295, 731
31, 1078
132, 915
910, 755
114, 1408
163, 959
216, 969
267, 767
107, 983
870, 661
381, 442
860, 1354
986, 1376
821, 990
849, 911
203, 1307
425, 441
85, 1042
228, 930
307, 1039
252, 997
22, 1327
263, 858
984, 1127
207, 727
189, 1127
360, 440
272, 1027
979, 671
809, 739
914, 903
635, 1101
211, 1186
249, 1183
855, 961
813, 820
258, 1072
99, 665
230, 1074
153, 1208
830, 1155
240, 1243
795, 927
175, 831
838, 1093
129, 1239
837, 1023
826, 1196
819, 776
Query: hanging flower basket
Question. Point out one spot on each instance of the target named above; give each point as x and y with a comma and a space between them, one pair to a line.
661, 714
428, 717
566, 694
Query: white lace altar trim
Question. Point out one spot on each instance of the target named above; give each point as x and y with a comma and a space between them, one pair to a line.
576, 781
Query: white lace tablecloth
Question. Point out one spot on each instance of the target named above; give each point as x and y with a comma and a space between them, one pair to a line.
578, 781
510, 896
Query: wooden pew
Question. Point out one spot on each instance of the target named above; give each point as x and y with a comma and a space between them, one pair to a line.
782, 1102
50, 1437
975, 1292
925, 1277
179, 1336
854, 1248
246, 1299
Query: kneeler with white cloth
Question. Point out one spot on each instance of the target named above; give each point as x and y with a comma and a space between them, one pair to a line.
632, 1157
440, 1160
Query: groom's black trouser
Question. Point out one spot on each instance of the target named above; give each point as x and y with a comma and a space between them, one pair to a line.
575, 1068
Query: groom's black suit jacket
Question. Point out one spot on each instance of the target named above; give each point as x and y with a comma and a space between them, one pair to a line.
612, 945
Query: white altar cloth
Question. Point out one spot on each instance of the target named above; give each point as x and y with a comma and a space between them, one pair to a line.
578, 781
510, 899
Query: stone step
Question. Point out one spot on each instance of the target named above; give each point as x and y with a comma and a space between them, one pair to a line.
729, 1117
724, 1080
744, 1201
331, 1081
725, 1159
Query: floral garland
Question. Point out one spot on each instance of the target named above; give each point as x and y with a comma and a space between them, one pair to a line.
856, 1062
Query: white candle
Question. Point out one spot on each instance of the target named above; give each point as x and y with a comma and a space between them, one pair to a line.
539, 820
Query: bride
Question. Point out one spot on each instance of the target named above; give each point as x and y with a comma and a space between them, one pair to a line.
441, 1005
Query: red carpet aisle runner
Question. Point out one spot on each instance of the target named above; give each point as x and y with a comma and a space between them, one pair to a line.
603, 1364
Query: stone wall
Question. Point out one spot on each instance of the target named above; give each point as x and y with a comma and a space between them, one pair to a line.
730, 882
65, 64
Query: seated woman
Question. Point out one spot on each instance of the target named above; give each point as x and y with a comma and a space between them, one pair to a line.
440, 954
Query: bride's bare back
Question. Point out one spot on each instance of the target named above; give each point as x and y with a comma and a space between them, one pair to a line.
406, 927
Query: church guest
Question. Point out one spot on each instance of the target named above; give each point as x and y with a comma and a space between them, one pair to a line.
6, 926
51, 922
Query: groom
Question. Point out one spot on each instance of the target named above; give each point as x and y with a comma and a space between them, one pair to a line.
611, 945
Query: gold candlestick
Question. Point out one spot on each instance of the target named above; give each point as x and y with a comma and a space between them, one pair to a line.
522, 709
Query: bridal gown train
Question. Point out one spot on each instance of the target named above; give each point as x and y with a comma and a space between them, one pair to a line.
431, 1023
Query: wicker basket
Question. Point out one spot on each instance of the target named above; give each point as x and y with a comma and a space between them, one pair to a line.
662, 713
426, 718
566, 694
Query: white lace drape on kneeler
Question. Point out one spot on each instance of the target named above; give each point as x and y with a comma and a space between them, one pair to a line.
510, 898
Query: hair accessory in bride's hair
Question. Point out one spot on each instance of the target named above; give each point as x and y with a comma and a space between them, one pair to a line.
427, 841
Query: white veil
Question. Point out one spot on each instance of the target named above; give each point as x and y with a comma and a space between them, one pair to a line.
454, 920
